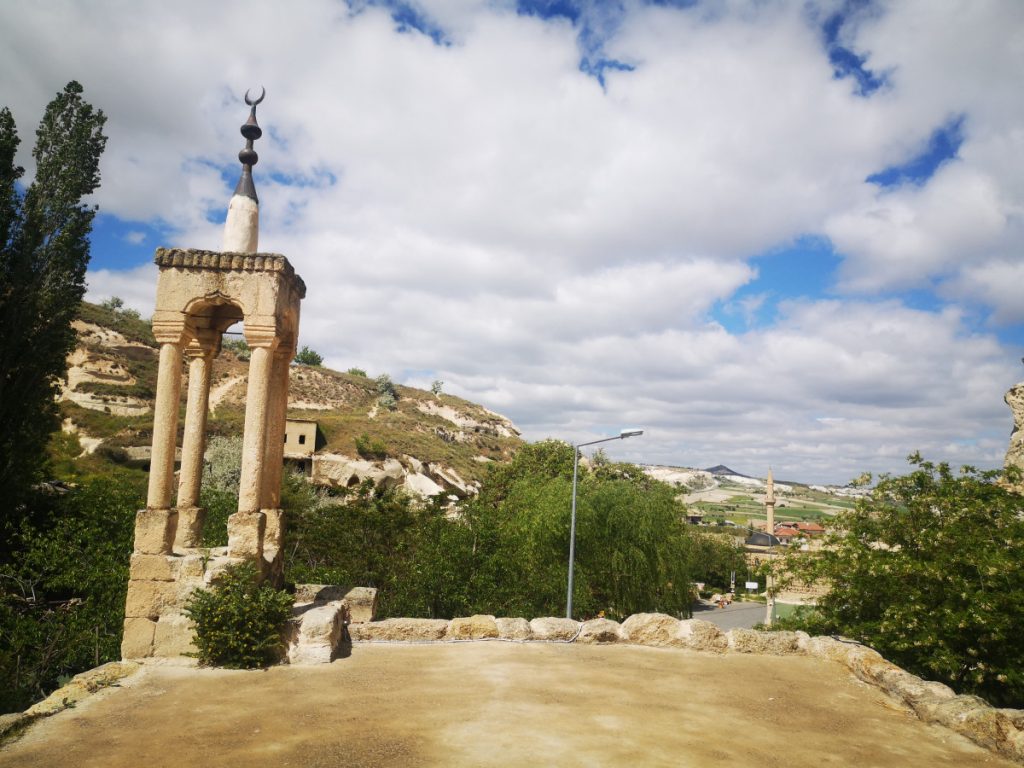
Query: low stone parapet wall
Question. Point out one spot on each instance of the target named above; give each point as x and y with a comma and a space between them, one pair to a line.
1000, 730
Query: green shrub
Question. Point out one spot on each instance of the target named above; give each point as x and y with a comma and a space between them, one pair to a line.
369, 448
307, 356
356, 372
239, 623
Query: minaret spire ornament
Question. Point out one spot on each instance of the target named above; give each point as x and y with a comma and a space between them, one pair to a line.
241, 229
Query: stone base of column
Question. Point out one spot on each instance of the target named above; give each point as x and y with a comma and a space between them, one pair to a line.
273, 546
245, 535
190, 527
155, 530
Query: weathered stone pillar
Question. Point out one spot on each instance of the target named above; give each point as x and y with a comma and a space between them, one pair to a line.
273, 464
190, 515
165, 426
246, 527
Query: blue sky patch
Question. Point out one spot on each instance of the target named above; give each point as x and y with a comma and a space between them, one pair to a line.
846, 62
804, 269
118, 244
943, 145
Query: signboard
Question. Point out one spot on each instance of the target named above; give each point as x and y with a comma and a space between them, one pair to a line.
751, 585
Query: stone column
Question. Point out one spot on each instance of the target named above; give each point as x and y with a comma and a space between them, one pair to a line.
155, 526
273, 459
246, 527
190, 515
769, 587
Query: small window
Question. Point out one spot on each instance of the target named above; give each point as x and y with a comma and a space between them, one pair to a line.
286, 437
302, 439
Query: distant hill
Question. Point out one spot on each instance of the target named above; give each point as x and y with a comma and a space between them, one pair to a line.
721, 469
442, 442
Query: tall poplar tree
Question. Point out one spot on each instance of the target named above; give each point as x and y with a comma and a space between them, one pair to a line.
44, 252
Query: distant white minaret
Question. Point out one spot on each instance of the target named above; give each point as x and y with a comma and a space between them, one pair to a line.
769, 508
242, 228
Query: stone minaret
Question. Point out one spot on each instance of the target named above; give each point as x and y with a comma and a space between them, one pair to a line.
242, 228
769, 508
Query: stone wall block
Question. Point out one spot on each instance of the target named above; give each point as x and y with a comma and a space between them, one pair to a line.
479, 627
245, 534
702, 636
192, 568
151, 599
154, 567
174, 636
362, 604
771, 643
190, 527
137, 640
400, 630
598, 631
319, 634
154, 531
513, 629
657, 629
553, 628
974, 718
215, 567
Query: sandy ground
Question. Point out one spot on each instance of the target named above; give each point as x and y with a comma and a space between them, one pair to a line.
497, 704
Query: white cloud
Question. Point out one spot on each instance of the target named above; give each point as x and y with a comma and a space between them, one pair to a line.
485, 213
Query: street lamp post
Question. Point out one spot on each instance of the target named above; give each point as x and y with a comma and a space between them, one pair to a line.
572, 525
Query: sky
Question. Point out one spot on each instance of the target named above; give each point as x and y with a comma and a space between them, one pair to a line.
785, 234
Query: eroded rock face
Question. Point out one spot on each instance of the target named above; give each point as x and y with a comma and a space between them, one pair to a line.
772, 643
1015, 453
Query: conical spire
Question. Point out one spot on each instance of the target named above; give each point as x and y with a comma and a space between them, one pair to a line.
241, 229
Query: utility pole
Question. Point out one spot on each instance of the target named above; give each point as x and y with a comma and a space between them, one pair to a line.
769, 507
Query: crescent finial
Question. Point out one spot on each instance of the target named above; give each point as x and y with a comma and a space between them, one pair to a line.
250, 102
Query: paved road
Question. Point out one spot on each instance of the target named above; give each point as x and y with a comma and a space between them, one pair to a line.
735, 616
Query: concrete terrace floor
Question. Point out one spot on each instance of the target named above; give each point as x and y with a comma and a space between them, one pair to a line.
497, 704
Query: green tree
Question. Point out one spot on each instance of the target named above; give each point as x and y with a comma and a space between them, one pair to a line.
44, 251
307, 356
927, 572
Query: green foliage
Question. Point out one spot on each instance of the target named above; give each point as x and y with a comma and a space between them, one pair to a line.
239, 623
115, 304
307, 356
387, 393
928, 573
222, 469
505, 552
356, 372
44, 251
437, 386
62, 595
238, 346
127, 322
371, 448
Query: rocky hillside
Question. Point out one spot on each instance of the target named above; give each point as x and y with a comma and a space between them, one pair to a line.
429, 443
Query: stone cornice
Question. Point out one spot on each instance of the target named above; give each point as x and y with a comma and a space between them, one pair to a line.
226, 261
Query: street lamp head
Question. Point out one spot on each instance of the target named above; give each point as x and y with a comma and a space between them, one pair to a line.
630, 433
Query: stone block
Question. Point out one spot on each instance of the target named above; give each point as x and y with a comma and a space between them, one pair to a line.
174, 636
362, 604
319, 593
702, 636
273, 536
974, 718
154, 567
399, 630
319, 635
150, 599
600, 631
479, 627
513, 629
192, 568
770, 643
245, 534
190, 527
553, 628
215, 567
137, 640
657, 629
154, 531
